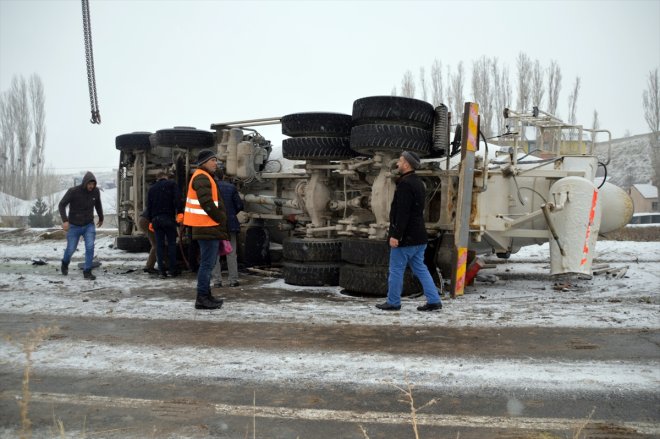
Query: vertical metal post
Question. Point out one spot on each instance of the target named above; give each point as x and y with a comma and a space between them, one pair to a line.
469, 145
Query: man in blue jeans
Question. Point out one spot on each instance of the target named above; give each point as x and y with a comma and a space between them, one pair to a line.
81, 200
205, 213
407, 237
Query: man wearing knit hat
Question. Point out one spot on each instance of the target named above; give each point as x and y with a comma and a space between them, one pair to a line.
205, 213
407, 237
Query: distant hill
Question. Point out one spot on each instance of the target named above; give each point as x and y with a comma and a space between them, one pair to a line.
630, 160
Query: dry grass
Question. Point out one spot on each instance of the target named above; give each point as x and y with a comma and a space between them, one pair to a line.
577, 432
28, 345
410, 400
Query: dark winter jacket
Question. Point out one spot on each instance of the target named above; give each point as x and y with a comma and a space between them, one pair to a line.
407, 211
202, 185
233, 204
164, 198
82, 203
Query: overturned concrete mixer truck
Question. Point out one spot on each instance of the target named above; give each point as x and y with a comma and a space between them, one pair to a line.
327, 199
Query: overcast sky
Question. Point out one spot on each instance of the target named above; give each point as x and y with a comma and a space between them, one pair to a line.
193, 63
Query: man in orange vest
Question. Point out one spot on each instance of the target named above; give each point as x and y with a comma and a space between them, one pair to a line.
205, 213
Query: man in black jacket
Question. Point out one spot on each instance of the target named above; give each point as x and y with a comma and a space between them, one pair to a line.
407, 237
163, 204
82, 200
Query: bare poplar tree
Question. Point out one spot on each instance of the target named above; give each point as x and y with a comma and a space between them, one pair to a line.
651, 103
482, 91
450, 98
507, 89
7, 144
554, 87
572, 102
408, 85
393, 92
457, 92
538, 88
22, 137
19, 107
524, 66
502, 93
572, 107
423, 85
37, 101
595, 124
437, 88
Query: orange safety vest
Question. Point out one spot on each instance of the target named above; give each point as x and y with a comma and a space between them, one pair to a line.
193, 214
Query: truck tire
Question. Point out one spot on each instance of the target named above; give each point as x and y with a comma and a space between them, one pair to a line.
316, 148
183, 138
311, 250
360, 251
311, 274
316, 125
393, 109
366, 139
138, 140
440, 146
133, 244
372, 281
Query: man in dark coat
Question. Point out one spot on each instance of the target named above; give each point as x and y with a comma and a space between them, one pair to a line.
163, 205
233, 205
205, 213
407, 237
81, 200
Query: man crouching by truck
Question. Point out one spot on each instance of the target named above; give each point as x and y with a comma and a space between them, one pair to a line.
205, 213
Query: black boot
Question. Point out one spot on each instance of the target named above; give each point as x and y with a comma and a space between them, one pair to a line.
87, 274
64, 268
205, 302
216, 299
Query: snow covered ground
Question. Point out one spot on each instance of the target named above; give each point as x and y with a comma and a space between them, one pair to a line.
523, 293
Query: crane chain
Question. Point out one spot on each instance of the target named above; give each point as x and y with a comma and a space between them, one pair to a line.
89, 58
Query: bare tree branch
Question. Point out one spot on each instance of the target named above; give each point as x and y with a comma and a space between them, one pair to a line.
524, 66
437, 88
457, 92
19, 108
408, 85
538, 89
482, 92
595, 124
37, 101
554, 87
422, 84
572, 108
651, 104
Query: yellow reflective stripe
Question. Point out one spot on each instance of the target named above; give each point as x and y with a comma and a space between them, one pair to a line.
460, 270
473, 120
